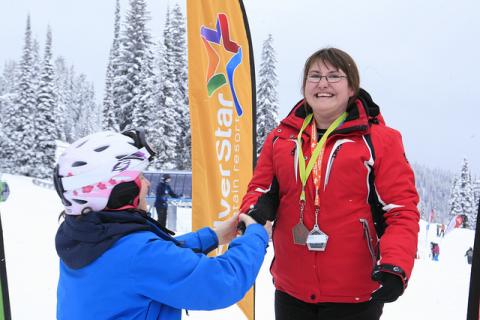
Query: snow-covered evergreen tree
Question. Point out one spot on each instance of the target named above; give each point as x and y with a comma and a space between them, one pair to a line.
476, 192
134, 54
22, 131
462, 197
89, 112
61, 83
267, 96
434, 188
168, 129
83, 113
145, 105
7, 146
179, 67
71, 111
8, 96
455, 199
46, 134
110, 109
155, 134
9, 77
37, 65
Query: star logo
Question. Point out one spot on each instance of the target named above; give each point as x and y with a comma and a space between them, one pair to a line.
216, 79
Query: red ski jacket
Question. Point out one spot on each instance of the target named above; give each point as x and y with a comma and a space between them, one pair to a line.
341, 273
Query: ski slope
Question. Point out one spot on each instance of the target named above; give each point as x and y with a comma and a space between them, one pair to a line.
437, 290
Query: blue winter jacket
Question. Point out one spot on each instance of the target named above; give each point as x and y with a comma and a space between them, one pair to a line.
124, 266
163, 192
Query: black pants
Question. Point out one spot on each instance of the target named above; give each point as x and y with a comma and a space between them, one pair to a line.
290, 308
161, 215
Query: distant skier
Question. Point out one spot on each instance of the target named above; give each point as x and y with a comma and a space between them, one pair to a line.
163, 192
442, 230
469, 255
435, 248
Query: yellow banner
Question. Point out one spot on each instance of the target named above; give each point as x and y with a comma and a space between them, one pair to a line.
220, 85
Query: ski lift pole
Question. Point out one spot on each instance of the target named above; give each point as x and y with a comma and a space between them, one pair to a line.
4, 296
474, 293
5, 313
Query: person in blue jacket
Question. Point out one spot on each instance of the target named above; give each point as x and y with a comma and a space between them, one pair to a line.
163, 192
118, 263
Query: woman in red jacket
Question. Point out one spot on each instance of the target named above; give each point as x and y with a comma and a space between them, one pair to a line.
335, 179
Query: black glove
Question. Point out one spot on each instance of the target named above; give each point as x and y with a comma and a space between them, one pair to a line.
256, 215
265, 208
392, 279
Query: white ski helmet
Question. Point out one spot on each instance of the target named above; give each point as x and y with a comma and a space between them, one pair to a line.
102, 171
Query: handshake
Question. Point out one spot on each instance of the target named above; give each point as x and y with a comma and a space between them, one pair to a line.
226, 231
257, 216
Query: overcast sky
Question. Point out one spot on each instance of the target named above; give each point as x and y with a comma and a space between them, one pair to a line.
418, 59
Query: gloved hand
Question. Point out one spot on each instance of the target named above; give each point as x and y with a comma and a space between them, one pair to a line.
256, 215
390, 279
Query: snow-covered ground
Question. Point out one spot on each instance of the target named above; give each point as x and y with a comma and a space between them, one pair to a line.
437, 290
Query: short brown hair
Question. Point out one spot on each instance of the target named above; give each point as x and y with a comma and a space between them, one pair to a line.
338, 59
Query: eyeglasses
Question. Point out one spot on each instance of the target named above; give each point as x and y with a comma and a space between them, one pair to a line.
331, 78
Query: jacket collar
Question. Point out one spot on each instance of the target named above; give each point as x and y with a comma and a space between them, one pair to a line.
82, 239
361, 113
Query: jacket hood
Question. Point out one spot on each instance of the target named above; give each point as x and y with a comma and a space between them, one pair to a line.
361, 113
82, 239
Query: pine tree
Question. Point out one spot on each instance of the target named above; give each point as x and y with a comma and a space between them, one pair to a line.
45, 145
168, 129
155, 135
7, 146
71, 113
180, 98
37, 65
462, 198
267, 96
110, 116
135, 44
61, 83
82, 109
8, 96
89, 111
9, 77
455, 199
145, 100
434, 187
22, 127
476, 192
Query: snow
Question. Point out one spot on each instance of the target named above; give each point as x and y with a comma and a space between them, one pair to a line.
437, 290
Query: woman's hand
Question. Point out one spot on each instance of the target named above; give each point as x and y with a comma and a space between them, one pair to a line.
227, 230
248, 220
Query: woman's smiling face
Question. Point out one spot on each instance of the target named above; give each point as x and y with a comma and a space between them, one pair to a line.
328, 100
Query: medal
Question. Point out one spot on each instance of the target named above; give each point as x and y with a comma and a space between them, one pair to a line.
300, 232
317, 239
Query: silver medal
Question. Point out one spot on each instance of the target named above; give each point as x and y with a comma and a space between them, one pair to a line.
316, 239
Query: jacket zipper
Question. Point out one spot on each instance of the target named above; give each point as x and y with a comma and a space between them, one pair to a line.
368, 236
333, 155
